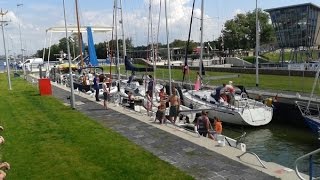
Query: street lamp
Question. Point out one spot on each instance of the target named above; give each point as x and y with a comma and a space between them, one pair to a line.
22, 50
4, 23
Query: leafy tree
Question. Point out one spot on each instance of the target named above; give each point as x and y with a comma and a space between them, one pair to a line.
240, 32
101, 50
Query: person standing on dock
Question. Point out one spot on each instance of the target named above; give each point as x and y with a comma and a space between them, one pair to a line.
174, 106
96, 86
197, 85
105, 92
150, 85
203, 125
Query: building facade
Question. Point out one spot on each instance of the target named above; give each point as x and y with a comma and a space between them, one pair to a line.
297, 25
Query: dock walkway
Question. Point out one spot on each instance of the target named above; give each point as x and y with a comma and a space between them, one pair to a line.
198, 156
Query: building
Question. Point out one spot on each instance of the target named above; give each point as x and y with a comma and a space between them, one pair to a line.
297, 25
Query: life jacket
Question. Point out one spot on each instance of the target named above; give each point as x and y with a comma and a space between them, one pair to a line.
218, 127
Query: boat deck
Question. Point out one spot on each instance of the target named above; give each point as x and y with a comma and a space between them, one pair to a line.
200, 157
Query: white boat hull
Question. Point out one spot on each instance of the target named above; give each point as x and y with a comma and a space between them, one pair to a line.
247, 115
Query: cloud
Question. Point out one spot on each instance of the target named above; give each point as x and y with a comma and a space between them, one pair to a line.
135, 21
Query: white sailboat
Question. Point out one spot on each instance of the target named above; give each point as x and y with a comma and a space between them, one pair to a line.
243, 111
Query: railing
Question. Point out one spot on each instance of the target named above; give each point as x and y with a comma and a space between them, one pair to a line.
312, 110
255, 156
310, 155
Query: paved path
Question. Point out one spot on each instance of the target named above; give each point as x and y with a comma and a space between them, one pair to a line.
196, 160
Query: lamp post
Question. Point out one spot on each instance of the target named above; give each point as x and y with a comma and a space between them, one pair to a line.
22, 50
4, 23
69, 58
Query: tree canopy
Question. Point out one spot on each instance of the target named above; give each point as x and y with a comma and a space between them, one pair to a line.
240, 32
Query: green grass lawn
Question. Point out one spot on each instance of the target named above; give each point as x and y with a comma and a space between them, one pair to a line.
47, 140
274, 83
301, 56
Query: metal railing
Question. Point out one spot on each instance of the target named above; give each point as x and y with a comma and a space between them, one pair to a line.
312, 110
248, 152
310, 156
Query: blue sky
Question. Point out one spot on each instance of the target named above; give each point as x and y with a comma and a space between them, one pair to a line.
35, 16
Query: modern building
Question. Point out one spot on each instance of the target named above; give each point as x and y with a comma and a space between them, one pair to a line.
297, 25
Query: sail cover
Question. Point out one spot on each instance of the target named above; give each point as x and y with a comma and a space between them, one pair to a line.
91, 49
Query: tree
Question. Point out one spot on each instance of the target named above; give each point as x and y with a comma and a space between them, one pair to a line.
101, 50
240, 32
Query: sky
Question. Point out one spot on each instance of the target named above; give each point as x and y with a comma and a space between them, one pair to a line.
34, 17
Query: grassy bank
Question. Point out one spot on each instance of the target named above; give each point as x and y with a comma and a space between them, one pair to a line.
47, 140
266, 82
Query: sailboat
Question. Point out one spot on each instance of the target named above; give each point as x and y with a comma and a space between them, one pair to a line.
310, 111
241, 111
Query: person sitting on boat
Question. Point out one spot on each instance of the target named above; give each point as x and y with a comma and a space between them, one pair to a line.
203, 125
131, 100
160, 115
223, 99
218, 92
230, 91
131, 78
229, 87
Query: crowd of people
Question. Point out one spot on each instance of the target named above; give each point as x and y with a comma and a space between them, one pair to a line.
202, 124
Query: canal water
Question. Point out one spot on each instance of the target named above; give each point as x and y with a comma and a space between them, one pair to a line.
282, 141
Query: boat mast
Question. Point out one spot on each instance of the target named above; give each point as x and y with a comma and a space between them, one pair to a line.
201, 39
79, 35
123, 37
116, 34
168, 46
257, 46
157, 41
188, 42
153, 56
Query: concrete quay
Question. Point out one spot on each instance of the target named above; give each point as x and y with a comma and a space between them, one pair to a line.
200, 157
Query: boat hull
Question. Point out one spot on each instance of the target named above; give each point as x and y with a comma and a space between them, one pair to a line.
313, 123
256, 116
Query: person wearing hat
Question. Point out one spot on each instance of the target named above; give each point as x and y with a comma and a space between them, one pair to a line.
203, 124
